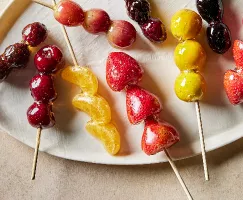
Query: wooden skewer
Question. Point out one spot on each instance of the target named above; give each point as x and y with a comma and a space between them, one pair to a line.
173, 166
44, 4
38, 137
201, 136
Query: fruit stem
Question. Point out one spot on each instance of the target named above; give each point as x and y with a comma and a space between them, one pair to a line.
173, 166
44, 4
38, 136
70, 47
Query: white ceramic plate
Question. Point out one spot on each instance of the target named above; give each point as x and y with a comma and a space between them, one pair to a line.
222, 122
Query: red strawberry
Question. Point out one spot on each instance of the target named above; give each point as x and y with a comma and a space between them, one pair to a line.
122, 70
233, 84
141, 104
158, 136
238, 53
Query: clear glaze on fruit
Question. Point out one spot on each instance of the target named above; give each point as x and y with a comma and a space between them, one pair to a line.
96, 21
83, 77
210, 10
107, 134
138, 10
158, 136
185, 24
34, 34
69, 13
40, 115
190, 86
16, 55
95, 106
4, 70
190, 55
47, 59
122, 70
42, 88
141, 104
154, 30
219, 37
121, 34
238, 54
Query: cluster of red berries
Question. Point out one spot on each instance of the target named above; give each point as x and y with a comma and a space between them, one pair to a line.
17, 55
123, 72
120, 33
139, 11
42, 89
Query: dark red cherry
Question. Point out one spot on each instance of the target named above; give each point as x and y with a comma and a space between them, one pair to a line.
210, 10
219, 37
47, 59
34, 34
42, 88
40, 115
16, 55
4, 70
154, 30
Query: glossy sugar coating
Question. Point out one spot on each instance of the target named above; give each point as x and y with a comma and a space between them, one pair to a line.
219, 37
122, 70
138, 10
141, 104
233, 79
96, 21
186, 24
210, 10
107, 134
190, 86
95, 106
154, 30
82, 77
190, 55
158, 136
233, 84
238, 54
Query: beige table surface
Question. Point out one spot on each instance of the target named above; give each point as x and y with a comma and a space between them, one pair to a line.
59, 179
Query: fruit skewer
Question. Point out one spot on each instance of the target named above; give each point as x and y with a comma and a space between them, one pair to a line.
16, 56
233, 82
124, 73
120, 33
190, 58
42, 89
152, 28
90, 102
218, 33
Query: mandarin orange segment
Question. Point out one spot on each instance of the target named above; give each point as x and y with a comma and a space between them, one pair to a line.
107, 134
95, 106
82, 77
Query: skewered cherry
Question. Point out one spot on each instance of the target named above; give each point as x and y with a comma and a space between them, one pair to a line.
42, 88
96, 21
35, 33
17, 55
138, 10
154, 30
69, 13
210, 10
40, 115
121, 34
219, 37
4, 70
47, 58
